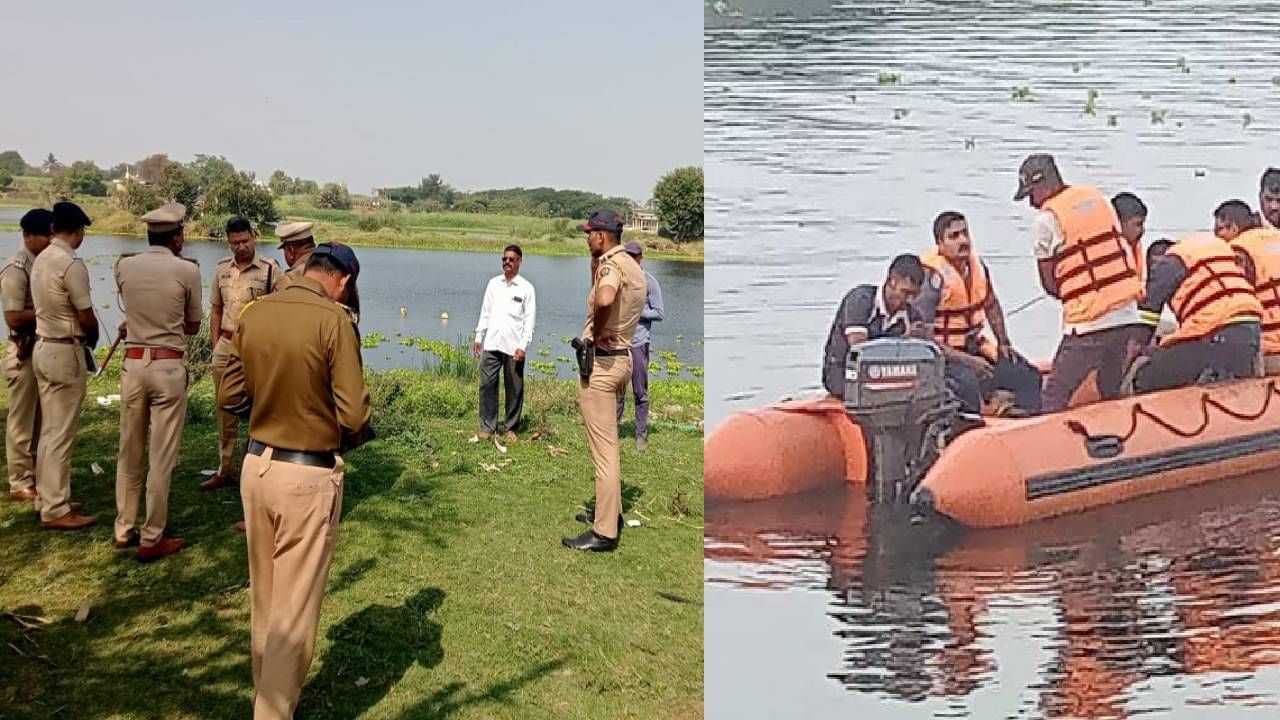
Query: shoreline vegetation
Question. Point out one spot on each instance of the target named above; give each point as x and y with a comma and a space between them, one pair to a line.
449, 593
429, 216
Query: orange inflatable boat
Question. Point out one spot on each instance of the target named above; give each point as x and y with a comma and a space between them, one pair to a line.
1013, 471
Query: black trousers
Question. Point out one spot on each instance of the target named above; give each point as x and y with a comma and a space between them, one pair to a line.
1103, 350
1016, 376
1231, 352
491, 362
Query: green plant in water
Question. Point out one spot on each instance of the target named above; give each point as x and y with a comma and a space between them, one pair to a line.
1021, 93
563, 359
547, 368
544, 352
1091, 105
372, 340
888, 78
697, 370
900, 113
1157, 117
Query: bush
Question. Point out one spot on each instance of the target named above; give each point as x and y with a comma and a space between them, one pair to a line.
378, 221
334, 197
678, 200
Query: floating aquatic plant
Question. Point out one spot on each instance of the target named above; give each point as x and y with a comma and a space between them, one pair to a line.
1021, 93
1090, 106
888, 78
900, 113
1157, 117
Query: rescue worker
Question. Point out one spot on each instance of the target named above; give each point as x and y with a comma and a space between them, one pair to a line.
294, 370
66, 333
870, 312
1269, 198
1132, 214
1257, 249
238, 280
1219, 333
958, 302
22, 426
297, 242
160, 291
613, 311
1085, 261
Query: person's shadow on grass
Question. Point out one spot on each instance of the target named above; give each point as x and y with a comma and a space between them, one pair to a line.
370, 653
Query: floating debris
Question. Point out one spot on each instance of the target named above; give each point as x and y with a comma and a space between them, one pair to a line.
888, 78
1199, 172
969, 144
1021, 93
1090, 106
1157, 117
1248, 119
1113, 120
900, 113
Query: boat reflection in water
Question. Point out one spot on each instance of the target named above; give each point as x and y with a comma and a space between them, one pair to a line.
1102, 604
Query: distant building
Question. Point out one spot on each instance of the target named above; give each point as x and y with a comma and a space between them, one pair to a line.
642, 220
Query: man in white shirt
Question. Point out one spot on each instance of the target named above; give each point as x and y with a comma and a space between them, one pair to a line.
502, 337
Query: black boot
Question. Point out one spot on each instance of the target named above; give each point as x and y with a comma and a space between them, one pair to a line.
592, 541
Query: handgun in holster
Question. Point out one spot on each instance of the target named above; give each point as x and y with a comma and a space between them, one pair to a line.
25, 344
586, 351
90, 363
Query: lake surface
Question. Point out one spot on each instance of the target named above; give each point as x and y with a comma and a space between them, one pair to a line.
818, 175
428, 283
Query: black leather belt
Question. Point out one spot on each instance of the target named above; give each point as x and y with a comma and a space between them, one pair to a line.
313, 458
607, 353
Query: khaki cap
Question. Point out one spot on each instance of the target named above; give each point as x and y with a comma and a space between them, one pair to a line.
294, 232
166, 217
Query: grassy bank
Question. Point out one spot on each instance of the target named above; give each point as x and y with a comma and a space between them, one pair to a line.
470, 232
449, 595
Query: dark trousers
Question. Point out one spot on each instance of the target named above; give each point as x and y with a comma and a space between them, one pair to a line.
964, 384
1231, 352
513, 385
1017, 376
640, 386
1104, 351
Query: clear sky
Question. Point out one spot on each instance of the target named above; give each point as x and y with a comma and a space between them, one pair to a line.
594, 95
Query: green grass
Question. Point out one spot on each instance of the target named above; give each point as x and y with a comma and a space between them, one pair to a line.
468, 232
449, 595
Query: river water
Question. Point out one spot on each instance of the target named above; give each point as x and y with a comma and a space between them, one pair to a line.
818, 174
427, 283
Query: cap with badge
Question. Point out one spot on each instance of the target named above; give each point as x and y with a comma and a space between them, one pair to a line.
602, 219
1035, 169
294, 232
165, 218
345, 256
69, 215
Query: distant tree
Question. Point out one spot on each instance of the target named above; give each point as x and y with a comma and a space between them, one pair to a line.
116, 172
280, 183
238, 194
12, 162
305, 187
138, 198
6, 179
677, 199
151, 168
82, 178
334, 197
51, 165
210, 170
179, 184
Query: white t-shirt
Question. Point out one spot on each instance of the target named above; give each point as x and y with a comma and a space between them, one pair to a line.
1047, 239
506, 315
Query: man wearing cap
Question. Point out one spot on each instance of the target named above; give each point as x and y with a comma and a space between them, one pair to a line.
503, 335
66, 333
23, 423
160, 291
1085, 261
294, 370
297, 242
613, 311
640, 350
238, 279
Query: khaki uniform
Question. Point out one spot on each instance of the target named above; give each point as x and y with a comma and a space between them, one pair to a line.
598, 395
59, 288
22, 426
294, 272
294, 365
233, 289
161, 293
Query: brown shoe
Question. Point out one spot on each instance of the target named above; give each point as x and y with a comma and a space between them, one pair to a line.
131, 542
75, 508
240, 526
71, 521
23, 494
164, 548
215, 482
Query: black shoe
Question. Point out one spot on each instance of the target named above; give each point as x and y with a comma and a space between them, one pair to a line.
589, 540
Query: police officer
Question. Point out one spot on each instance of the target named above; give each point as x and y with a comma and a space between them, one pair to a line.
238, 280
297, 242
23, 422
294, 370
160, 291
66, 333
613, 311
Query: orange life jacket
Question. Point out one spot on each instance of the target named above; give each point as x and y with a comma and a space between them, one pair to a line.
960, 311
1214, 292
1096, 269
1262, 245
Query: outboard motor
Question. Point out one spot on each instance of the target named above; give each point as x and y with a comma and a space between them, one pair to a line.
896, 391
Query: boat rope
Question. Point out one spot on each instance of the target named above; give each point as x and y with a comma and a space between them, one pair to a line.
1206, 402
